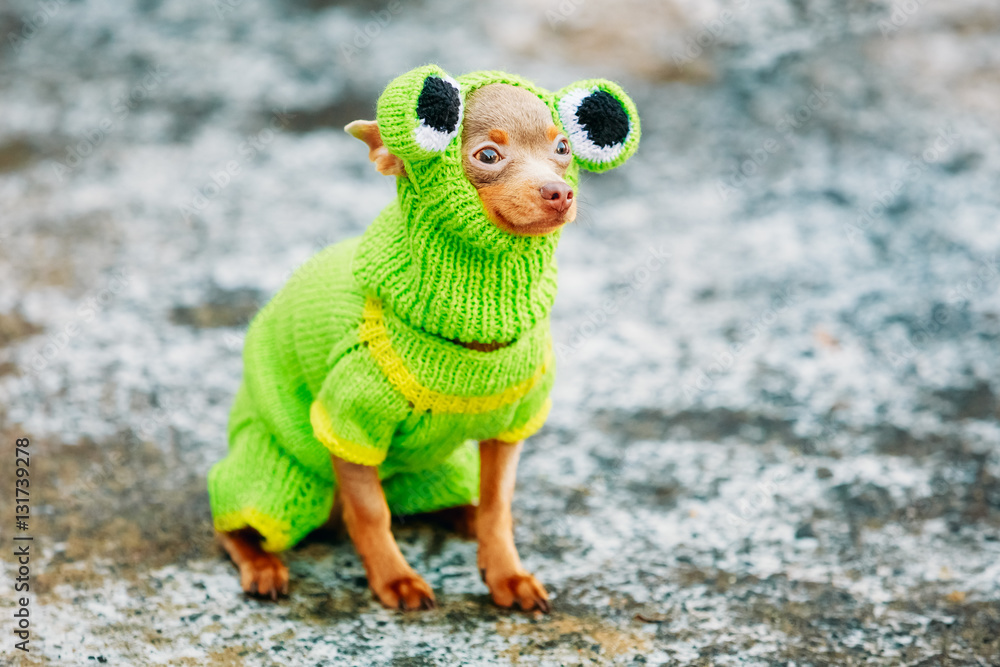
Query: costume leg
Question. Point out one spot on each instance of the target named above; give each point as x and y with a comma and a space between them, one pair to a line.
260, 486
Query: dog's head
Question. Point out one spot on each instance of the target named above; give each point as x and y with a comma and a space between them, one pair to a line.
510, 148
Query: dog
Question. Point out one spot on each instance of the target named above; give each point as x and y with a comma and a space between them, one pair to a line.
400, 372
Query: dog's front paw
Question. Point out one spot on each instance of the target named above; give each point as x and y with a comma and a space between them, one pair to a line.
264, 575
518, 586
407, 593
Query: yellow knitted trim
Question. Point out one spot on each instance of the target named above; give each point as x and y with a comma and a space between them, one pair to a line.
374, 334
342, 449
530, 427
276, 534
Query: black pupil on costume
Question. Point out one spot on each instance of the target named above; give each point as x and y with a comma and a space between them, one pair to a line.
438, 104
603, 117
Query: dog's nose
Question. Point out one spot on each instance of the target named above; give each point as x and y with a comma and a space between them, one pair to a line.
558, 195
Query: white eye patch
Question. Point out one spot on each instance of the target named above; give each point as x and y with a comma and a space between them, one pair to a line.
439, 109
597, 123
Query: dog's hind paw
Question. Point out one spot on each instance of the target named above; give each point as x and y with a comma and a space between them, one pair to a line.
264, 575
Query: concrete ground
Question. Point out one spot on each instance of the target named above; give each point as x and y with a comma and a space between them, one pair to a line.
776, 427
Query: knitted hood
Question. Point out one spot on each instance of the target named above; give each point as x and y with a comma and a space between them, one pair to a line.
433, 256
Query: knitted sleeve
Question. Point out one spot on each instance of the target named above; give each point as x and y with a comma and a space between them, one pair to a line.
531, 414
356, 411
528, 422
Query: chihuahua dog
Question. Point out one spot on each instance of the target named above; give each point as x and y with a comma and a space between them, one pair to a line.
400, 372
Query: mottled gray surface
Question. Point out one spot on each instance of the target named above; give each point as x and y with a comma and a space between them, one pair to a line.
777, 447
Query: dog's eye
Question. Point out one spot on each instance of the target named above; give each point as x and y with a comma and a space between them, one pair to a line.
562, 148
487, 156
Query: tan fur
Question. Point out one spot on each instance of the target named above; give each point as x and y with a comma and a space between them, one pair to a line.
510, 194
367, 518
368, 132
499, 563
481, 347
498, 136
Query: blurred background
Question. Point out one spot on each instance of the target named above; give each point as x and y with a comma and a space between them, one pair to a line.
775, 434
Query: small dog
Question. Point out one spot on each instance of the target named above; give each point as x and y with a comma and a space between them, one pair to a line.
371, 376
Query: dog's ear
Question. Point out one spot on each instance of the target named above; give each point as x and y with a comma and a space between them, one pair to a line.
368, 132
420, 113
601, 121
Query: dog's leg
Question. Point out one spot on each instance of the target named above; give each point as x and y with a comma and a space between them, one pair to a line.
499, 564
261, 573
367, 518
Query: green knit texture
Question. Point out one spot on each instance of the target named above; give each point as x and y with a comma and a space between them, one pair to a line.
357, 356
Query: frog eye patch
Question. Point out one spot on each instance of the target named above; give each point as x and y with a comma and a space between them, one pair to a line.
420, 113
439, 111
601, 123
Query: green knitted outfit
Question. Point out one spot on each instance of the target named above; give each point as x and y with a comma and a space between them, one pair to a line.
358, 355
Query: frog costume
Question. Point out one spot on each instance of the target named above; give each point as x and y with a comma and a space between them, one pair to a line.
358, 355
